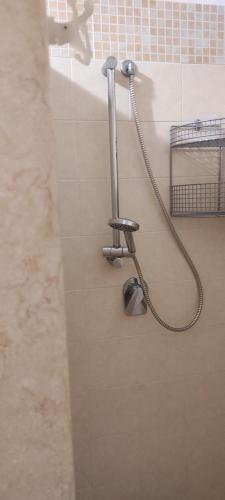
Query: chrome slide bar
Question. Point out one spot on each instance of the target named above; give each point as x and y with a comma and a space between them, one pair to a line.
108, 70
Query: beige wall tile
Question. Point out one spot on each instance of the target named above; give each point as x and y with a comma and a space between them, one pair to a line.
115, 460
204, 244
81, 435
95, 206
89, 92
106, 362
164, 463
93, 150
169, 357
75, 314
89, 86
114, 411
160, 258
205, 396
162, 84
80, 379
60, 88
206, 458
82, 463
85, 493
137, 201
122, 490
129, 155
99, 364
202, 91
161, 407
159, 358
69, 208
214, 312
157, 137
66, 149
73, 263
203, 349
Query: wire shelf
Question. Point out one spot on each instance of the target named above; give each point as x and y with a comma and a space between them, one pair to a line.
210, 133
198, 200
202, 199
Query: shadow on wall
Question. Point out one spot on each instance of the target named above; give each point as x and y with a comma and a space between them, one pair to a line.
74, 32
84, 98
83, 95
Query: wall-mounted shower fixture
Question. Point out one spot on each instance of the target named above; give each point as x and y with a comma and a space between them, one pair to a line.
136, 294
128, 68
128, 226
115, 252
133, 296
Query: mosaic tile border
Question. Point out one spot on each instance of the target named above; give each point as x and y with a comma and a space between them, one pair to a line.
144, 30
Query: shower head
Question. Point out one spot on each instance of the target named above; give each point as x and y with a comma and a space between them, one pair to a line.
128, 226
124, 224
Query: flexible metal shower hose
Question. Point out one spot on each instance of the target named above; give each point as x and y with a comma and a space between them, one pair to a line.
171, 227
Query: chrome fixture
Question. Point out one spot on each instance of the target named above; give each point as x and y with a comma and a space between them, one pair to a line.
110, 63
134, 300
128, 226
109, 71
112, 253
128, 68
136, 294
116, 251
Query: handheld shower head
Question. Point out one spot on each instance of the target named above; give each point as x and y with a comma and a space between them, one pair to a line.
124, 224
128, 226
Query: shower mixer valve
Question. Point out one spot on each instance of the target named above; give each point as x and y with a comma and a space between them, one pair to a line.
133, 297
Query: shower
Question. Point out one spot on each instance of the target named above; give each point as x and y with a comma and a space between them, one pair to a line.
128, 226
116, 252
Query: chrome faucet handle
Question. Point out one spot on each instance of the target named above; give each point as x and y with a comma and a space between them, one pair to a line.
134, 301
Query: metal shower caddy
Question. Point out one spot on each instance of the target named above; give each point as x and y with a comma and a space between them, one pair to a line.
205, 199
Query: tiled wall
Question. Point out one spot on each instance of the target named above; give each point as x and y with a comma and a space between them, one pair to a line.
144, 30
148, 406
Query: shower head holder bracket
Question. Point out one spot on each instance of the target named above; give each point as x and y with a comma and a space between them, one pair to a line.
109, 64
128, 68
113, 253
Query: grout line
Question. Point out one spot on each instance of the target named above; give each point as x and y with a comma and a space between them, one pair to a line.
182, 95
109, 287
119, 121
